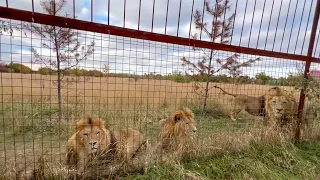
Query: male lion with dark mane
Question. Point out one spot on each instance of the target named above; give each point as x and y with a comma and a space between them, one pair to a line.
93, 138
179, 127
281, 107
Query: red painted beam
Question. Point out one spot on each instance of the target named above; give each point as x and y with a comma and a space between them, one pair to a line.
307, 68
28, 16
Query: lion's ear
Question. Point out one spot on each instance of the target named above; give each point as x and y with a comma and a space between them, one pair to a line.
177, 118
79, 125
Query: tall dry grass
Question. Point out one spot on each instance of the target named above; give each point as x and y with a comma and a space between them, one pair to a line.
208, 145
33, 140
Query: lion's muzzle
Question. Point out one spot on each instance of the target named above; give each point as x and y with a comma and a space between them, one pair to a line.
278, 112
94, 146
194, 131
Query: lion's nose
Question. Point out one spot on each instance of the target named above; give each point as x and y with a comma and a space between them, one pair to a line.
279, 110
92, 143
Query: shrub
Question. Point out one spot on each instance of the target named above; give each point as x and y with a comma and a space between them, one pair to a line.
94, 73
178, 77
4, 68
76, 72
19, 68
45, 71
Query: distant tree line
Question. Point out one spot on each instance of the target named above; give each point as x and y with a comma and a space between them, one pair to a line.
176, 76
260, 78
20, 68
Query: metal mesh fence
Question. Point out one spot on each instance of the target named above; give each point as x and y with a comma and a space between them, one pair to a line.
134, 82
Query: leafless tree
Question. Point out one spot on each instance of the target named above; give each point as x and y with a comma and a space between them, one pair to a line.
7, 27
63, 42
218, 30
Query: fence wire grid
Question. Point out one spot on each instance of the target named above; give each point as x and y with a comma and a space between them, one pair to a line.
134, 63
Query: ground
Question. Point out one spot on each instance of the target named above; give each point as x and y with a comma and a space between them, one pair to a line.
258, 162
30, 129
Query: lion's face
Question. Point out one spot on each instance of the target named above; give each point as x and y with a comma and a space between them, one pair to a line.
187, 126
184, 122
92, 135
281, 106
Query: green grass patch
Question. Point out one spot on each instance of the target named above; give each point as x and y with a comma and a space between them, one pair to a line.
258, 162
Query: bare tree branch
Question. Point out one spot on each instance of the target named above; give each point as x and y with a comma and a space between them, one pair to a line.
221, 28
64, 42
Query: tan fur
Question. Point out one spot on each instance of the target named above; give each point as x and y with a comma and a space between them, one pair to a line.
253, 105
93, 138
281, 107
177, 128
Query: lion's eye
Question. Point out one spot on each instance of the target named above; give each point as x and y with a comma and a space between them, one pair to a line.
86, 134
98, 133
187, 123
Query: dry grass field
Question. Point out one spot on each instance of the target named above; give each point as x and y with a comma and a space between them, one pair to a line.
29, 128
114, 91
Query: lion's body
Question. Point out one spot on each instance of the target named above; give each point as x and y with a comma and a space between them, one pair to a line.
127, 142
93, 138
281, 108
253, 105
177, 129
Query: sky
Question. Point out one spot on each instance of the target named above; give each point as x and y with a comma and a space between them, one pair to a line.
277, 25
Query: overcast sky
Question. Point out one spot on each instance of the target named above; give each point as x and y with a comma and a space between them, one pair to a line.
288, 32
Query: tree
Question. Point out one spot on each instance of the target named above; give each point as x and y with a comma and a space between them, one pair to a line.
7, 27
243, 79
263, 78
19, 68
63, 41
45, 71
4, 67
294, 79
218, 31
105, 69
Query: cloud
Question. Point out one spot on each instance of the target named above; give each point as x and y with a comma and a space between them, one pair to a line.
281, 29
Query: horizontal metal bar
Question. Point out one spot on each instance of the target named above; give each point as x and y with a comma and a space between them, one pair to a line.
27, 16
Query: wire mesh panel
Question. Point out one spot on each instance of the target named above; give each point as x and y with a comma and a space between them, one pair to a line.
111, 101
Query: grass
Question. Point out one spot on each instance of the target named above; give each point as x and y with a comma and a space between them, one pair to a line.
224, 149
258, 162
113, 91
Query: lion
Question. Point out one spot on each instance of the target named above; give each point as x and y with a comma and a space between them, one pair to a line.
281, 107
252, 105
177, 128
92, 138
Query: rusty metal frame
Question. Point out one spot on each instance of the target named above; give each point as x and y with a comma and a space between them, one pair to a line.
28, 16
40, 18
307, 67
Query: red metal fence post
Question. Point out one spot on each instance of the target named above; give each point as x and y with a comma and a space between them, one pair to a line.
307, 68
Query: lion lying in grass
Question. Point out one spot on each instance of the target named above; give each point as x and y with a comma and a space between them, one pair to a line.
253, 105
93, 138
177, 129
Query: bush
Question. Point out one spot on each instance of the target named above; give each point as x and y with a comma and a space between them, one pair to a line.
4, 68
94, 73
178, 77
45, 71
83, 72
76, 72
19, 68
